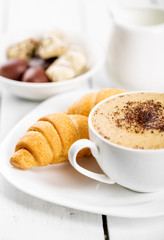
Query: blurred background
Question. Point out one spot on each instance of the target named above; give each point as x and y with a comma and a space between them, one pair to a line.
86, 17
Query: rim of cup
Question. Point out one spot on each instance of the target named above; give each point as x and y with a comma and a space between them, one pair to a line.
114, 144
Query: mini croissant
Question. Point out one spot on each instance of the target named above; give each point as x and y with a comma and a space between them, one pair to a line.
49, 139
88, 101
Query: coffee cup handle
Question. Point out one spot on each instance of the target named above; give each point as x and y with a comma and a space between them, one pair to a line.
73, 151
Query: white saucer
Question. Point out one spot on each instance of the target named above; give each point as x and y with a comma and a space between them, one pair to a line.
61, 184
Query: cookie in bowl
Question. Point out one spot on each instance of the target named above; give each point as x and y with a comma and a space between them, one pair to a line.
67, 61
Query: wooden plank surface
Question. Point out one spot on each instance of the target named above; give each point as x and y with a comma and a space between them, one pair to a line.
23, 216
99, 28
44, 14
134, 229
4, 10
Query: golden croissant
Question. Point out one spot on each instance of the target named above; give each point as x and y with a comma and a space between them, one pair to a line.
88, 101
49, 139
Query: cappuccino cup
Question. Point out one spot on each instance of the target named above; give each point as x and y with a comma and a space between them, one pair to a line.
125, 154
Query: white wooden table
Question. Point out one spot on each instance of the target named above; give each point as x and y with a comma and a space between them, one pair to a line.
22, 216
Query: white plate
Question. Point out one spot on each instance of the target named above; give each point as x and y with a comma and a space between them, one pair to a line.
61, 183
40, 91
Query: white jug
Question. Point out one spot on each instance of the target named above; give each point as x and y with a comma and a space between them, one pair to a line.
135, 57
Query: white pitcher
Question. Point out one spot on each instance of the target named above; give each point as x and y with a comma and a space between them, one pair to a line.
135, 57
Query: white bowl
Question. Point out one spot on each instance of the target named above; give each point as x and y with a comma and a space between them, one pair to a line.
40, 91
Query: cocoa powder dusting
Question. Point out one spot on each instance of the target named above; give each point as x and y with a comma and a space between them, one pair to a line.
140, 116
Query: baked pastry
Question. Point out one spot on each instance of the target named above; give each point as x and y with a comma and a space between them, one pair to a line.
68, 65
24, 49
49, 139
88, 101
53, 44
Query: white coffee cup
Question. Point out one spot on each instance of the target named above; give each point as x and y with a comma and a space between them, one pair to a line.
137, 169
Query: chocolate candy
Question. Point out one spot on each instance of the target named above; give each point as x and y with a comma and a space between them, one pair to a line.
38, 61
35, 74
13, 69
